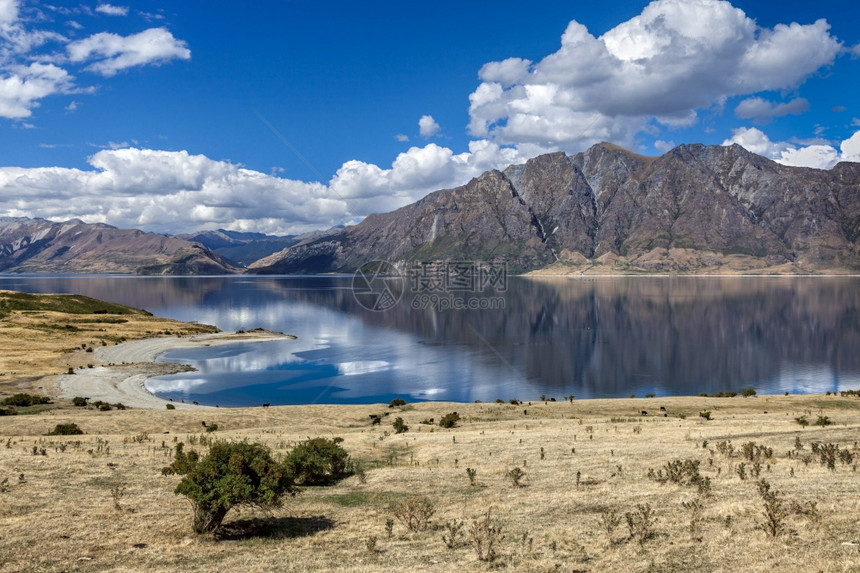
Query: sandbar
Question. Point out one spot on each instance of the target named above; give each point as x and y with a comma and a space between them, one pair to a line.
125, 368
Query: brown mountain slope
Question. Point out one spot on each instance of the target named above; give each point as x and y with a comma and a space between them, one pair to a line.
37, 245
695, 209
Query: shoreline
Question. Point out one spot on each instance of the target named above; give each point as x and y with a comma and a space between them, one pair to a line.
131, 364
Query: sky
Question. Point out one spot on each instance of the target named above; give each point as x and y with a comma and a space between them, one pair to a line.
288, 116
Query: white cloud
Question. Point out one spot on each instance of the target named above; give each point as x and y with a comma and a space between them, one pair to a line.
23, 86
664, 146
31, 68
762, 110
174, 191
114, 53
401, 137
112, 10
851, 148
427, 126
818, 156
676, 57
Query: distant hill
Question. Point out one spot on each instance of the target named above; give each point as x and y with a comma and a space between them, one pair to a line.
695, 209
242, 249
39, 246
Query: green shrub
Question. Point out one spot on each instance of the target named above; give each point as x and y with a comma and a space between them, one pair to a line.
318, 461
449, 420
397, 402
79, 401
706, 414
212, 428
823, 421
24, 400
183, 462
65, 430
747, 392
400, 426
232, 474
170, 406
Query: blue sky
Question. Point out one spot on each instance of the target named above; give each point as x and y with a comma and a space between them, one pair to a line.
289, 116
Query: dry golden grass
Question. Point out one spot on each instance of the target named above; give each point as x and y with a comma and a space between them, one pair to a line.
38, 343
58, 512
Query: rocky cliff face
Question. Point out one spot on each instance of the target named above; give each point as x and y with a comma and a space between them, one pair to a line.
38, 245
695, 209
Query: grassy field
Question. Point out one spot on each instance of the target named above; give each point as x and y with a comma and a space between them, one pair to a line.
98, 502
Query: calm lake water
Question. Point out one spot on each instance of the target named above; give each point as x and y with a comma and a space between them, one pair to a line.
590, 337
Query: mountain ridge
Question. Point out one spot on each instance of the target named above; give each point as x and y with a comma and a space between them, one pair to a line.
39, 245
696, 208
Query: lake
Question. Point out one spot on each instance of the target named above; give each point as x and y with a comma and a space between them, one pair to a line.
589, 337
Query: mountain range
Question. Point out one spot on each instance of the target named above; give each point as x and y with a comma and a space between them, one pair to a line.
694, 209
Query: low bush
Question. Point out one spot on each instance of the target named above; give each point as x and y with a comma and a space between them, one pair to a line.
79, 401
24, 400
70, 429
414, 512
318, 461
449, 420
400, 426
640, 523
774, 513
397, 402
484, 535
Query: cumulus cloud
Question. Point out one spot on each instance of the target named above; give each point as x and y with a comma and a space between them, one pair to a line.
31, 68
818, 156
762, 110
113, 52
676, 57
112, 10
175, 191
24, 86
427, 126
403, 138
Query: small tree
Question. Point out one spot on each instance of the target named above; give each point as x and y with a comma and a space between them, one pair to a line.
232, 474
747, 392
449, 420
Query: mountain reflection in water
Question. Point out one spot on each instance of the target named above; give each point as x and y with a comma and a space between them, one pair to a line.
590, 337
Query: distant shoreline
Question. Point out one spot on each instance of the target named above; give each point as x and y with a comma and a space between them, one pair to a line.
130, 364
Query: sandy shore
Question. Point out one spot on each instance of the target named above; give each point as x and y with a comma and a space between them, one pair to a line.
132, 363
